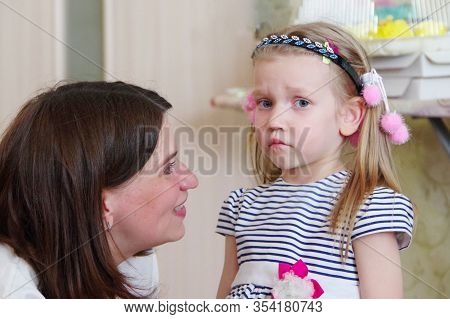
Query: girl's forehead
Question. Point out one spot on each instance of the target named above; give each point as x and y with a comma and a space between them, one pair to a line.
299, 56
304, 73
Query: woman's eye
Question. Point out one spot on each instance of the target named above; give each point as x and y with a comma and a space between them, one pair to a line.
170, 168
301, 103
264, 104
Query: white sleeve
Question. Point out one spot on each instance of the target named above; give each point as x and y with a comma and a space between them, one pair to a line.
229, 213
17, 279
386, 211
142, 274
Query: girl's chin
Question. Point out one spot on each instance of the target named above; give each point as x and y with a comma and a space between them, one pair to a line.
285, 165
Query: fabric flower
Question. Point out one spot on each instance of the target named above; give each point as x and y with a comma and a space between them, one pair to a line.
294, 284
249, 107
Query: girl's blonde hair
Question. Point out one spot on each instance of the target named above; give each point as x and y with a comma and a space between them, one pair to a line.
372, 163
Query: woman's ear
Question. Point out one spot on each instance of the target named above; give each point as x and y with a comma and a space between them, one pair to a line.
107, 214
351, 115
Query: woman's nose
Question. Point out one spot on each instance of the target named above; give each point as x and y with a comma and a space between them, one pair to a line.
188, 179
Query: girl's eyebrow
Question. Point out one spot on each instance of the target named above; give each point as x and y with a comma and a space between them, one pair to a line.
291, 89
257, 92
300, 90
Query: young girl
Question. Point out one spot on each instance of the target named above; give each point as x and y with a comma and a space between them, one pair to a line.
317, 227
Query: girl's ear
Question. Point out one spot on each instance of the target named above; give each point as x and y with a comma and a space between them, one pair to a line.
107, 212
351, 115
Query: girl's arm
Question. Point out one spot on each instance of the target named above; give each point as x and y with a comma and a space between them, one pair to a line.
230, 267
378, 264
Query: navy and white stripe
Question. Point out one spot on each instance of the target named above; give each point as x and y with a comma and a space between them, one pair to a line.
250, 291
285, 222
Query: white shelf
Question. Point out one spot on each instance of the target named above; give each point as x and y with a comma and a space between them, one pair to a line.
401, 46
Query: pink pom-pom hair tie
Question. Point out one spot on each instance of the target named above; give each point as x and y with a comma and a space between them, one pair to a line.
372, 95
391, 123
372, 90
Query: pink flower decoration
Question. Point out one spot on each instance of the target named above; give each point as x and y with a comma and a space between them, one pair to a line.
333, 46
293, 282
249, 107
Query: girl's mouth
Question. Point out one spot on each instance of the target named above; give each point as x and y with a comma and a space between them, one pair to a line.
276, 142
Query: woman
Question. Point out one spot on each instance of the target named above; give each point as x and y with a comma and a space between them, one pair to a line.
88, 179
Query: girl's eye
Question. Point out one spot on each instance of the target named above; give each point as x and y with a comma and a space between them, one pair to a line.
170, 168
264, 104
301, 103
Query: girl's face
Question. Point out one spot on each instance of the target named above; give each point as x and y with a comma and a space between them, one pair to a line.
296, 118
150, 209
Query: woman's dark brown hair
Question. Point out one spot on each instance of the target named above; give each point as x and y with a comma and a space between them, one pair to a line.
64, 147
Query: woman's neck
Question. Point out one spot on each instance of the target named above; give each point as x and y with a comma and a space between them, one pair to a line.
312, 172
119, 255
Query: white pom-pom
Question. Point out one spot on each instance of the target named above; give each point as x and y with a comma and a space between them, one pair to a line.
293, 287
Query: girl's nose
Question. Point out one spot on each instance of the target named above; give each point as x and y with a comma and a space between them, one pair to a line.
278, 117
188, 179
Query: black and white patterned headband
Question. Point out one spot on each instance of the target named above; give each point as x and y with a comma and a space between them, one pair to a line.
324, 50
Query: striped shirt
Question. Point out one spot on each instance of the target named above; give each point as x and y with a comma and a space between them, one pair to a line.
283, 222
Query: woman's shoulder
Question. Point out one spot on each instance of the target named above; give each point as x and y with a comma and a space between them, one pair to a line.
17, 278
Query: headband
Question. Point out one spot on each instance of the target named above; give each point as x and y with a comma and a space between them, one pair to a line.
325, 50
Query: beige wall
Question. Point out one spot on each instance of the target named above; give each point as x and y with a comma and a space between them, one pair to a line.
425, 176
27, 59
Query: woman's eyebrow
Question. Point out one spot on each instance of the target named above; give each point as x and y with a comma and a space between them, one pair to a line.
168, 158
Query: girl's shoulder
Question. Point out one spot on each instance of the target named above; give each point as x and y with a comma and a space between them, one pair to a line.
239, 194
385, 210
17, 278
231, 207
236, 198
383, 195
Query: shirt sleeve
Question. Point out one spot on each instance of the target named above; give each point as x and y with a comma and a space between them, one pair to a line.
386, 211
18, 279
229, 213
142, 274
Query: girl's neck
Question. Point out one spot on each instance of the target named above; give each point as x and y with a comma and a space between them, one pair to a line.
312, 172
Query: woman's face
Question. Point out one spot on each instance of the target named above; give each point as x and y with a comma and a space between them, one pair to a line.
149, 209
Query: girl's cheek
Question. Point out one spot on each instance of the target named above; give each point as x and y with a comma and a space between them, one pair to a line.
259, 136
258, 120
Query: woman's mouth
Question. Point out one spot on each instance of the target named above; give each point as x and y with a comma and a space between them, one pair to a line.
180, 211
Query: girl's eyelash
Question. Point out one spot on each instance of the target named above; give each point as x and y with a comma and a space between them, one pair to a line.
266, 103
302, 99
260, 102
